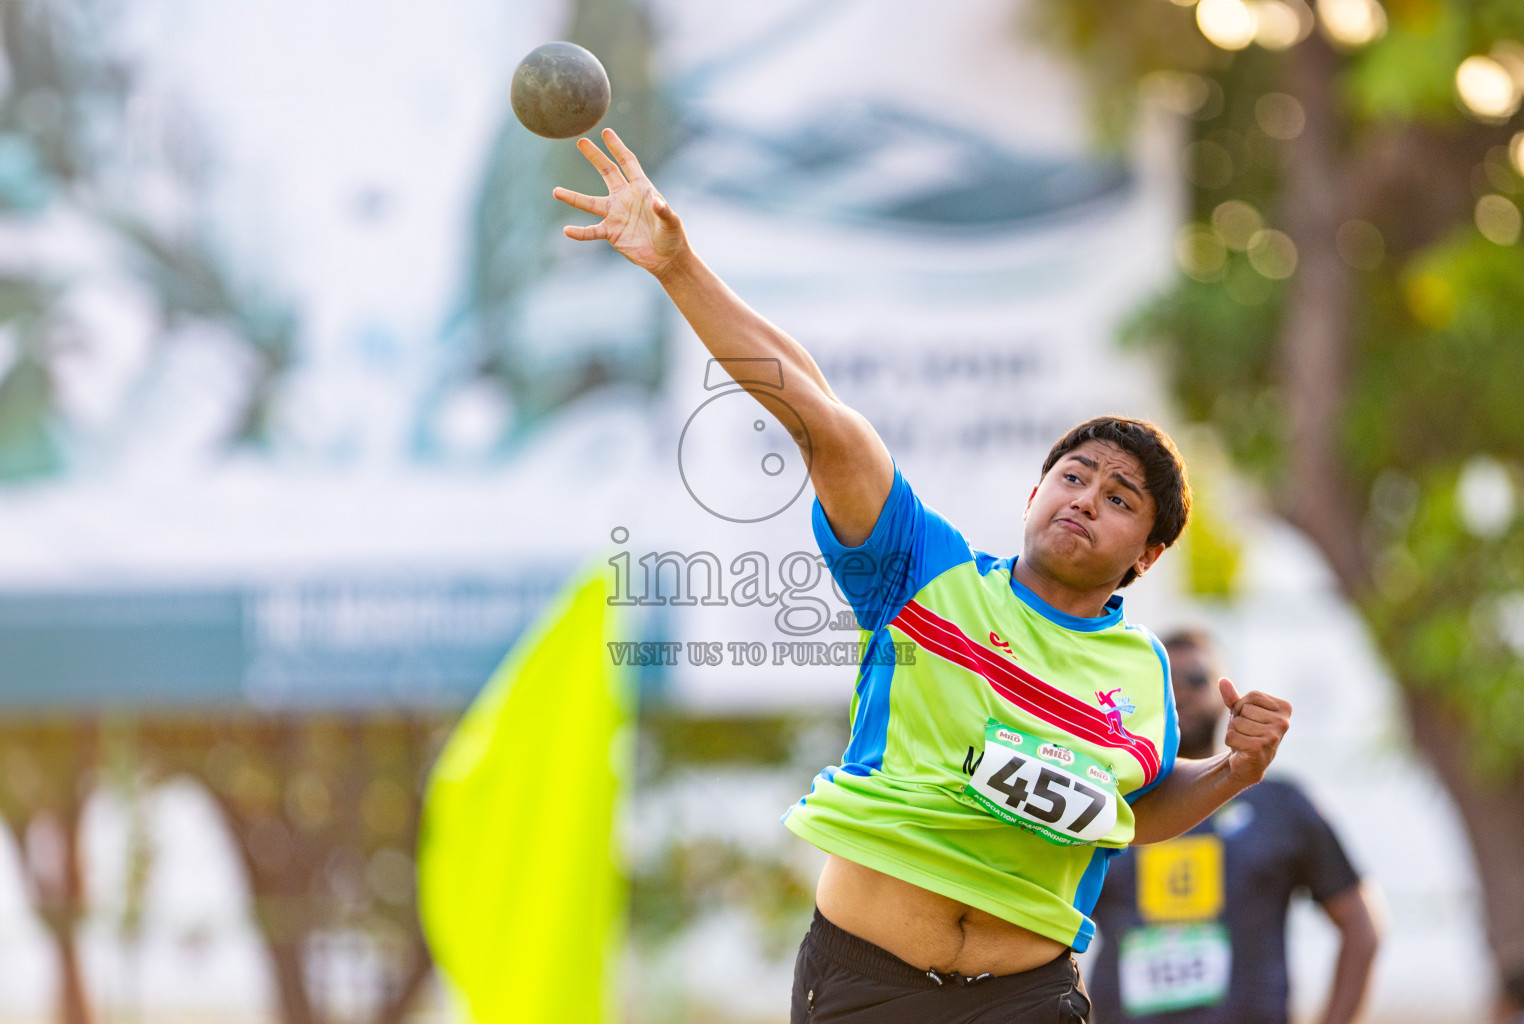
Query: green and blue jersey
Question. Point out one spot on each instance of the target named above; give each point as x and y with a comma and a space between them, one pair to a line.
986, 650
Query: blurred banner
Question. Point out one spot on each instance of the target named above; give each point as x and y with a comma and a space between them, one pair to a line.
343, 416
520, 886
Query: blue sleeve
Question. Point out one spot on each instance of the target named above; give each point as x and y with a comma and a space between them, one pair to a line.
910, 546
1171, 745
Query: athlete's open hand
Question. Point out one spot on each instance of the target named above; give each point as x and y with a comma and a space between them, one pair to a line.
636, 219
1256, 723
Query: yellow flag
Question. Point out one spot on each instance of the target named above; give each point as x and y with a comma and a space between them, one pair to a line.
519, 884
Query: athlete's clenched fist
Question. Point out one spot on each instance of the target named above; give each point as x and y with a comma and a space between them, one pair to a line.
1256, 723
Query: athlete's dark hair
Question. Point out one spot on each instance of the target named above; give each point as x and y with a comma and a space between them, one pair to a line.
1163, 470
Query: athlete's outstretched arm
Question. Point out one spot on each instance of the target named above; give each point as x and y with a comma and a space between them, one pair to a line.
849, 465
1194, 789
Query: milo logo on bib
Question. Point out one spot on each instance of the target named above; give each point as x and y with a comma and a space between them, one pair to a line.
1053, 752
1062, 795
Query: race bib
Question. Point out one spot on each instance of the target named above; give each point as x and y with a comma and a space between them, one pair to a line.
1063, 795
1173, 967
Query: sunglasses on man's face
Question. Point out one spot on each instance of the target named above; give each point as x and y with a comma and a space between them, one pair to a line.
1195, 679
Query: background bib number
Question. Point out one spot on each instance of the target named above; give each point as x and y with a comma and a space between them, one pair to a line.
1173, 967
1060, 794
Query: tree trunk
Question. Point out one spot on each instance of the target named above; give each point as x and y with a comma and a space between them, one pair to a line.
290, 981
1314, 350
1493, 813
60, 901
1316, 332
72, 1006
395, 1009
273, 911
61, 890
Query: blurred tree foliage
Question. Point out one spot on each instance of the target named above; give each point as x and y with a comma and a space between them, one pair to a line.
1349, 320
323, 816
323, 811
70, 162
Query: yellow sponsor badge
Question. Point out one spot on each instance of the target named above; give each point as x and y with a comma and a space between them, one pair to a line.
1180, 880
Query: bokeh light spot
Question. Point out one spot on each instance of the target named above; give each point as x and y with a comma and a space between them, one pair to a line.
1508, 616
390, 875
1431, 299
1179, 92
1351, 23
1394, 498
1498, 172
1200, 253
1484, 497
308, 802
1236, 222
1497, 219
1486, 88
1273, 254
1360, 244
1229, 24
1280, 116
1280, 25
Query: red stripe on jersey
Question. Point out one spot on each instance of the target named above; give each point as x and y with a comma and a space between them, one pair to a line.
942, 637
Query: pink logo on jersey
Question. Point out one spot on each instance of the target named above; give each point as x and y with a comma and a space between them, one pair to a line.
1005, 647
1114, 709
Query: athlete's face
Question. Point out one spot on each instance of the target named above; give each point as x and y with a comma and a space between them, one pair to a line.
1197, 701
1088, 521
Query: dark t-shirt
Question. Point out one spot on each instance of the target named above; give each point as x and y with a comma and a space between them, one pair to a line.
1208, 910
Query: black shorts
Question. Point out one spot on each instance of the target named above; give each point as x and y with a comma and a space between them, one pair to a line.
841, 979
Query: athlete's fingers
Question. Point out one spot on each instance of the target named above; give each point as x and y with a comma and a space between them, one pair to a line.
598, 206
1260, 699
1255, 730
588, 233
1260, 713
663, 210
1243, 726
627, 161
1229, 692
602, 164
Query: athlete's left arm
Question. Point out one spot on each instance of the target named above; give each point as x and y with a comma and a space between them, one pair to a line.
1194, 789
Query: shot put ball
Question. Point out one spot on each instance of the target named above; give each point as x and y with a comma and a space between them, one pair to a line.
559, 90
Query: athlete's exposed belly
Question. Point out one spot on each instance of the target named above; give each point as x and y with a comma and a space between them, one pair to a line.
924, 929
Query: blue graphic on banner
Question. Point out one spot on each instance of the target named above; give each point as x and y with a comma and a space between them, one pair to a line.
330, 644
